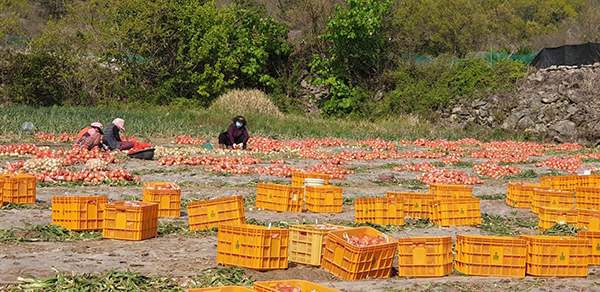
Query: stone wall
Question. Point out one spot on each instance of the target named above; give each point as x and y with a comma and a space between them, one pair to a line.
562, 103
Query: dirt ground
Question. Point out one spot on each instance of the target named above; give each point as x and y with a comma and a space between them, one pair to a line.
184, 256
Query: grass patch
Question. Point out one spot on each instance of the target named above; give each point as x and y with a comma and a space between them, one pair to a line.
343, 184
492, 197
390, 165
409, 223
108, 182
586, 160
46, 233
532, 161
562, 230
363, 169
530, 173
503, 226
143, 122
460, 164
412, 184
253, 183
132, 281
131, 198
348, 201
159, 170
250, 200
15, 206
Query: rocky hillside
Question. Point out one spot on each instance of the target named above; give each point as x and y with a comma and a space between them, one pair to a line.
561, 103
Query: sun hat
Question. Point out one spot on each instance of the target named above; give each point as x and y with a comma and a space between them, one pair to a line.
99, 126
120, 123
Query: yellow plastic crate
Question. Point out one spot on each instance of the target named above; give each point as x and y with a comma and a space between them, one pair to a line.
211, 213
588, 198
167, 195
552, 199
552, 216
279, 198
304, 286
253, 247
519, 195
588, 219
78, 213
589, 181
416, 205
127, 220
425, 256
557, 256
221, 289
478, 255
307, 243
565, 183
323, 199
594, 238
382, 211
450, 191
17, 188
351, 262
456, 212
298, 178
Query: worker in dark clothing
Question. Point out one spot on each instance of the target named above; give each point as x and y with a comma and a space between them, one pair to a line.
236, 134
112, 138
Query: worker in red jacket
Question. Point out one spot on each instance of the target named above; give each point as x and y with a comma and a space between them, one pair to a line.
90, 137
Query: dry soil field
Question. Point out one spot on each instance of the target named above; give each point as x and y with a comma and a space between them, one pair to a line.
184, 255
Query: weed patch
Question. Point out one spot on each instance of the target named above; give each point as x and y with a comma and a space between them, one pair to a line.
503, 226
492, 197
562, 230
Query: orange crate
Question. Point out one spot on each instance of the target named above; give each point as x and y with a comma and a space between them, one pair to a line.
519, 195
382, 211
552, 216
221, 289
167, 195
565, 183
594, 238
298, 178
279, 198
450, 191
588, 198
253, 247
456, 212
425, 256
588, 219
304, 286
307, 243
211, 213
351, 262
17, 188
78, 213
323, 199
478, 255
557, 256
416, 205
127, 220
589, 181
552, 199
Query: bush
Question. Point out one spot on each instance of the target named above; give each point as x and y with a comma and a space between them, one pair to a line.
239, 102
426, 89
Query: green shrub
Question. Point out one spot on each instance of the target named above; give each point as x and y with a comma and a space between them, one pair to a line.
425, 89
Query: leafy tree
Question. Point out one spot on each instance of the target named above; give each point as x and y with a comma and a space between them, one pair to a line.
357, 44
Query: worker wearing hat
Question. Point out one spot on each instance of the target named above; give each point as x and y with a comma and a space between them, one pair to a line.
112, 138
90, 137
